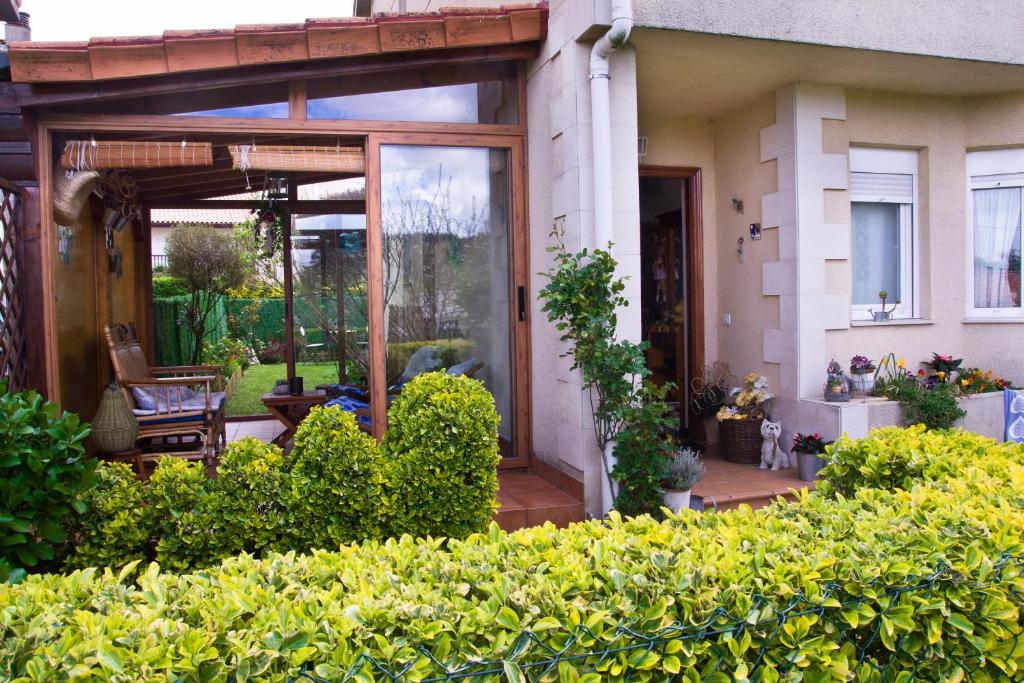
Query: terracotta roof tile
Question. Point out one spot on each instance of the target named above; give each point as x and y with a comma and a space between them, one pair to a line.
203, 49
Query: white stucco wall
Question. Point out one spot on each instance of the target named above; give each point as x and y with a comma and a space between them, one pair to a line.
962, 29
561, 193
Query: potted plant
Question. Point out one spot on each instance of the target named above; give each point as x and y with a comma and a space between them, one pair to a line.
944, 365
707, 396
862, 374
739, 424
682, 474
837, 387
808, 449
883, 315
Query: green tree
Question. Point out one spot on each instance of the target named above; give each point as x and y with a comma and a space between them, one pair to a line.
209, 263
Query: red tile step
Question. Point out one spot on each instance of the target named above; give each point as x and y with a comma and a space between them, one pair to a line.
526, 499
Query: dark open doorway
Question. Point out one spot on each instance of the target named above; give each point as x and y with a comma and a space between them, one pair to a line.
672, 282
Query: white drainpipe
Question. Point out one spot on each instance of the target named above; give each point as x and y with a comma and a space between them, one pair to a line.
600, 107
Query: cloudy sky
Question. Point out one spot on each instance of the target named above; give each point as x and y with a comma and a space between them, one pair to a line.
81, 19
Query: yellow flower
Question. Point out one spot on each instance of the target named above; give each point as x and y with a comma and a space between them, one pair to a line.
941, 374
901, 363
885, 360
965, 382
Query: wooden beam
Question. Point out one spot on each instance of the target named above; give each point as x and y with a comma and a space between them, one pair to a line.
214, 125
301, 206
51, 94
43, 151
297, 100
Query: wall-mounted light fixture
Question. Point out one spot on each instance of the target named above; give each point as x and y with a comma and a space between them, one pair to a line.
737, 204
641, 146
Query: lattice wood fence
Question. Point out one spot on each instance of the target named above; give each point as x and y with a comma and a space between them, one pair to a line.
12, 339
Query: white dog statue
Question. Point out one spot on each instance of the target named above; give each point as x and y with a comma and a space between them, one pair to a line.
771, 454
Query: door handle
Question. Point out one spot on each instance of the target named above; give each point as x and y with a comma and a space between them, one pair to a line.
522, 302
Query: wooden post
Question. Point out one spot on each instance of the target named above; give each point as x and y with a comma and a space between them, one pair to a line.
289, 303
375, 290
342, 331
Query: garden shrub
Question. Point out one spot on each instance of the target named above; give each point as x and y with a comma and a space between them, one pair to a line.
185, 504
897, 458
253, 484
166, 286
442, 450
43, 469
901, 585
117, 525
336, 481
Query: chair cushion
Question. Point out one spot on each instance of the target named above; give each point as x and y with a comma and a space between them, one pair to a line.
146, 399
195, 402
347, 390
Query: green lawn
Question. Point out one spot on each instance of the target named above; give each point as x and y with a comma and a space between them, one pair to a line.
259, 379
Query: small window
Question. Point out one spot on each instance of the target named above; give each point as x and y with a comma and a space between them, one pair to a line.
995, 220
883, 228
479, 94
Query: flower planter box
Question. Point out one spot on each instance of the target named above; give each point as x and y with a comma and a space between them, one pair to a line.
863, 414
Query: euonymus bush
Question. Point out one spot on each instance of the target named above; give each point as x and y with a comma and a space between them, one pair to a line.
434, 475
889, 584
42, 469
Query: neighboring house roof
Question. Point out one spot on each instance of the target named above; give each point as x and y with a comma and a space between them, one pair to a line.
200, 50
225, 217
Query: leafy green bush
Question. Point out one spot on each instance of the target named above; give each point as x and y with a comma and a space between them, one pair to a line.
336, 481
643, 453
443, 437
42, 469
185, 504
898, 458
117, 525
254, 487
166, 286
900, 585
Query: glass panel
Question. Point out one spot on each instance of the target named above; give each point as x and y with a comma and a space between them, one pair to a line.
876, 251
274, 110
481, 94
329, 285
997, 242
445, 227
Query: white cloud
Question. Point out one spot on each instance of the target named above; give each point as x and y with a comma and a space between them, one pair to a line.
81, 19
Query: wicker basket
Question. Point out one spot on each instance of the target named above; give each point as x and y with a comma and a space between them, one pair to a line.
114, 428
740, 441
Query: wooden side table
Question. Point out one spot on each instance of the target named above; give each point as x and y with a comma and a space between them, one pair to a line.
291, 410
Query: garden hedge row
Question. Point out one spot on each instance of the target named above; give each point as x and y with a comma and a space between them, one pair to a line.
435, 474
919, 584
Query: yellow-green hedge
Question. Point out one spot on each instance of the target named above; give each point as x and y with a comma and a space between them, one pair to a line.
902, 583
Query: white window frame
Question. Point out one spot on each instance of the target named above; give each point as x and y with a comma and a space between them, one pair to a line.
986, 170
901, 162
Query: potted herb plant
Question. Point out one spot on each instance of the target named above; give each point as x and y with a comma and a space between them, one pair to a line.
808, 449
862, 374
739, 424
837, 387
683, 473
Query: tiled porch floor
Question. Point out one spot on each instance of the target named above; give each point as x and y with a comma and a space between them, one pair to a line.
525, 498
726, 485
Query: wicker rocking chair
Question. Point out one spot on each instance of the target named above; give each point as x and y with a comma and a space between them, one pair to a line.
179, 411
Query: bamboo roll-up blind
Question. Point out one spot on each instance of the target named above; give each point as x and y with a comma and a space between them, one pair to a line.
297, 158
82, 155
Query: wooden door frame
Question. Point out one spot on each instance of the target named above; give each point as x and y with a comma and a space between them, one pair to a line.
694, 236
518, 274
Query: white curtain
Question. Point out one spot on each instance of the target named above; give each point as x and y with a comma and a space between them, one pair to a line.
997, 228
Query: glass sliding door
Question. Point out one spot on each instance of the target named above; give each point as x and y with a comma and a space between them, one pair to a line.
330, 303
446, 255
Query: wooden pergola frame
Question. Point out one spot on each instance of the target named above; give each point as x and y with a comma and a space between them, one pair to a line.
375, 134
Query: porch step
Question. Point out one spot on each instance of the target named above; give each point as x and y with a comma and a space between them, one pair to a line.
727, 485
526, 499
